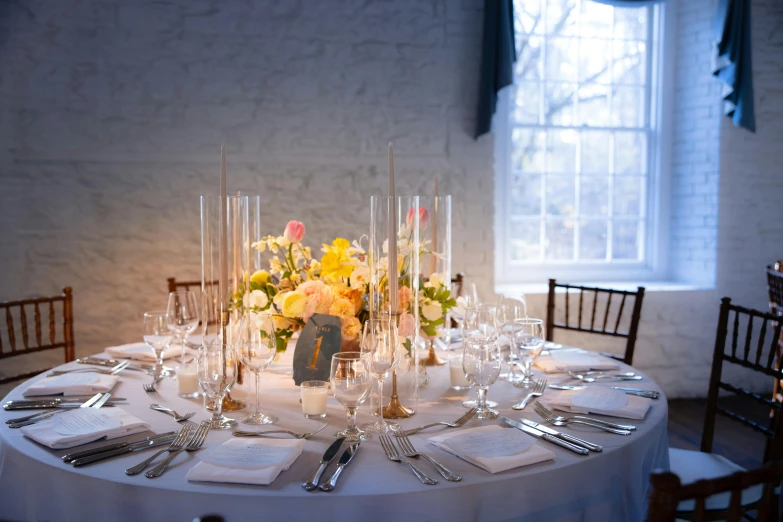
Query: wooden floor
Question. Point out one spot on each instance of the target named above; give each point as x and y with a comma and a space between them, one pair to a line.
732, 440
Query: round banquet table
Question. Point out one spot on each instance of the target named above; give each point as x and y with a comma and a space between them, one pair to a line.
609, 486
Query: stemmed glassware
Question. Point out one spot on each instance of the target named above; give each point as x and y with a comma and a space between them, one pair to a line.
481, 363
510, 310
381, 349
217, 372
529, 342
255, 343
480, 325
157, 336
350, 380
182, 317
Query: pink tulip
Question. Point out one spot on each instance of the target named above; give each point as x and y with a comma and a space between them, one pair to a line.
424, 217
406, 325
294, 231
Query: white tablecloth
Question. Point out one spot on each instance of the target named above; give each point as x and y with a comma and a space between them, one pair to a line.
610, 486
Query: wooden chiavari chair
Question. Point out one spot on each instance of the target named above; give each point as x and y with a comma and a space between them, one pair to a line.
775, 288
668, 492
603, 326
42, 309
735, 345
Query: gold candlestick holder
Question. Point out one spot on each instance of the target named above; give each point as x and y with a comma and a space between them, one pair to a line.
432, 358
229, 403
395, 410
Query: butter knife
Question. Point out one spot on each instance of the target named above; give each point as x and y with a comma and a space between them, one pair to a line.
344, 460
545, 436
650, 394
123, 451
329, 455
109, 447
565, 436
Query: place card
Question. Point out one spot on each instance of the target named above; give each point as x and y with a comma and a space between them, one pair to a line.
70, 379
319, 340
598, 398
84, 421
495, 443
249, 456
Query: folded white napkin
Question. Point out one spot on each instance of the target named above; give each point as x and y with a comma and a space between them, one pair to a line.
573, 360
78, 383
83, 425
602, 401
142, 352
247, 461
532, 454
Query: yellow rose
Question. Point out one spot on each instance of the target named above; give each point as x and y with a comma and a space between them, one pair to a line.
350, 329
342, 307
294, 305
260, 277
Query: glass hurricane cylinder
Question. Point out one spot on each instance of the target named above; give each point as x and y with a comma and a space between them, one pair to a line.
400, 299
224, 241
435, 263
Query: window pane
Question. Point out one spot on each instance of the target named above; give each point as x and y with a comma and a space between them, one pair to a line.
592, 240
527, 150
560, 62
559, 239
525, 239
560, 195
559, 103
526, 196
596, 19
526, 18
561, 17
594, 196
630, 153
625, 240
595, 152
629, 62
594, 56
628, 107
628, 22
627, 196
561, 151
594, 108
526, 102
528, 65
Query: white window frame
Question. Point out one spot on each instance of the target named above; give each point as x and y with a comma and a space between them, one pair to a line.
654, 266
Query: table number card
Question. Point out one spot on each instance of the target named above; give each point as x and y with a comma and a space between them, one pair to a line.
319, 340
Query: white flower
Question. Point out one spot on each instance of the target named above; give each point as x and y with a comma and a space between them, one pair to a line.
256, 298
259, 245
360, 277
275, 266
283, 242
261, 321
431, 310
436, 280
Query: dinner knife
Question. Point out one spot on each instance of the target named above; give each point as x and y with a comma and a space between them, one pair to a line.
123, 451
21, 422
564, 436
344, 460
109, 447
59, 398
329, 455
650, 394
546, 436
51, 404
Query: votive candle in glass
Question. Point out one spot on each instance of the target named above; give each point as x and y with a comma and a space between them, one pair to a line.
457, 374
313, 395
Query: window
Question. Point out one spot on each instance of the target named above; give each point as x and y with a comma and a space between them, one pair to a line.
576, 146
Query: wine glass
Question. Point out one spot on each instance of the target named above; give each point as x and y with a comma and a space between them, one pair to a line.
156, 335
350, 379
481, 363
381, 350
510, 310
217, 372
481, 323
529, 342
182, 317
458, 312
255, 343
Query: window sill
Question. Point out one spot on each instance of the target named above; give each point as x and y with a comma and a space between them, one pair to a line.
649, 286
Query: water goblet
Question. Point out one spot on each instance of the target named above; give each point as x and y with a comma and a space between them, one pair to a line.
529, 342
481, 364
156, 335
217, 373
350, 379
381, 349
182, 317
481, 323
255, 342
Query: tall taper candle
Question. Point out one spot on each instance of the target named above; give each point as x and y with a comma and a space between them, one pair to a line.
434, 225
223, 281
392, 273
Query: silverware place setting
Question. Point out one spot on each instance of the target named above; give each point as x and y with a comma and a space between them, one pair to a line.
454, 424
177, 417
97, 401
565, 436
649, 394
328, 456
194, 444
559, 420
241, 433
616, 377
393, 454
539, 434
175, 445
345, 459
536, 391
409, 451
108, 451
114, 370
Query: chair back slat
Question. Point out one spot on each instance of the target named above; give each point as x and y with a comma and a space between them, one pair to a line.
735, 334
667, 492
760, 345
37, 343
608, 325
748, 337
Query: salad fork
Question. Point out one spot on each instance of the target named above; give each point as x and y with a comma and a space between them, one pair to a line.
538, 391
240, 433
176, 444
194, 445
111, 371
392, 454
559, 420
409, 451
177, 416
456, 424
150, 388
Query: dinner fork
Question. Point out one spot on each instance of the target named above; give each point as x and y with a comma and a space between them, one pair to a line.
177, 416
110, 371
176, 444
409, 451
392, 454
538, 391
150, 388
559, 420
240, 433
97, 401
456, 424
615, 377
629, 427
194, 445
